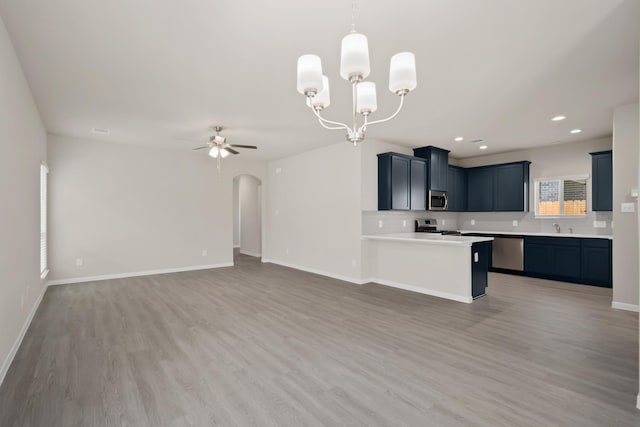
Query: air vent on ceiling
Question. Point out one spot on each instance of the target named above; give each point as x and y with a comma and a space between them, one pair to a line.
477, 141
101, 131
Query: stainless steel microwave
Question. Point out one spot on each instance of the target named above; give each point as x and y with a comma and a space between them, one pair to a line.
437, 200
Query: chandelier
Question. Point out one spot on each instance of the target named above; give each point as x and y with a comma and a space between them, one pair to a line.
354, 67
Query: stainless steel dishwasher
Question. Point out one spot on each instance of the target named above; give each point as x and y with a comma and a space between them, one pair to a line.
508, 252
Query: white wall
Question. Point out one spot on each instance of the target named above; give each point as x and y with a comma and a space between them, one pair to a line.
249, 189
638, 398
22, 149
314, 211
625, 232
236, 212
126, 209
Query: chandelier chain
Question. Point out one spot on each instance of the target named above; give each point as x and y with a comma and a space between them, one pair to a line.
353, 16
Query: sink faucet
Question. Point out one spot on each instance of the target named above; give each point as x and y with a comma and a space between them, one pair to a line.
557, 227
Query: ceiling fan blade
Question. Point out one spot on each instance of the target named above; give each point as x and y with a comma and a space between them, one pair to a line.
231, 150
253, 147
200, 148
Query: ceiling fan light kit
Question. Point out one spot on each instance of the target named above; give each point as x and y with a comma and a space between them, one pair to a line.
219, 148
354, 67
215, 151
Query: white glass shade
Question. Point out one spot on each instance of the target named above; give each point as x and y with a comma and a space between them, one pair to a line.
354, 57
309, 74
322, 98
402, 72
366, 97
214, 152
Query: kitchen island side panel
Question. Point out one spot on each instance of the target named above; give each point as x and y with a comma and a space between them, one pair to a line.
439, 270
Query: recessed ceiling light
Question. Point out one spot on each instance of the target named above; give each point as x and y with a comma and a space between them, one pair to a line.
458, 139
101, 131
558, 118
483, 147
576, 130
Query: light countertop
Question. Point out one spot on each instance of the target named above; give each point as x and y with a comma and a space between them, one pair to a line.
428, 238
547, 234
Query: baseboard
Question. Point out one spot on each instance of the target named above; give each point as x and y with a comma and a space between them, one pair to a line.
624, 306
16, 345
315, 271
136, 274
439, 294
253, 254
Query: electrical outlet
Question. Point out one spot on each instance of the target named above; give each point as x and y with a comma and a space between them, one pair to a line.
277, 212
380, 224
404, 222
515, 223
627, 207
278, 170
79, 262
444, 222
286, 251
599, 224
204, 252
473, 222
354, 263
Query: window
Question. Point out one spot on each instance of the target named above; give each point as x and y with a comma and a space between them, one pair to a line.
43, 220
557, 197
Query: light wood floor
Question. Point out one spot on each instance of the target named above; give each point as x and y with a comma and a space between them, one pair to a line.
266, 345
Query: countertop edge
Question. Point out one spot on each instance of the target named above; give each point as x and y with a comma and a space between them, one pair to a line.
433, 241
540, 234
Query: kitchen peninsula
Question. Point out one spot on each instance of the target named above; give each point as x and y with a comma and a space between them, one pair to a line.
451, 267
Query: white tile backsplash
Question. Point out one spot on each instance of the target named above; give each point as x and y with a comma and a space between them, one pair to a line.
404, 221
486, 221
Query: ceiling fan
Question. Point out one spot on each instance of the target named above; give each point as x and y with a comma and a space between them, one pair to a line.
218, 146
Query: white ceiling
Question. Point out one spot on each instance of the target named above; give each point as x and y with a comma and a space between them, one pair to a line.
157, 72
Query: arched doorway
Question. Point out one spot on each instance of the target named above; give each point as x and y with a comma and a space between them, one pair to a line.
247, 216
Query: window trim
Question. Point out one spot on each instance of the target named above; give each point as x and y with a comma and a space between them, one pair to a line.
536, 195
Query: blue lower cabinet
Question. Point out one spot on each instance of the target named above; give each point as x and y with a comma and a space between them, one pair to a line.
596, 262
585, 261
566, 260
537, 258
480, 262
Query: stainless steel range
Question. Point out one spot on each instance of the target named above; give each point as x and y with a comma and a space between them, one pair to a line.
431, 226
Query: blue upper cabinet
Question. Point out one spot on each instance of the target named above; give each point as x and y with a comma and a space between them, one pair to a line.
511, 186
438, 160
602, 181
457, 188
498, 188
418, 185
402, 182
480, 189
